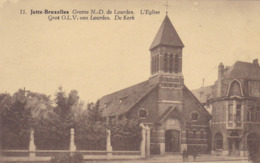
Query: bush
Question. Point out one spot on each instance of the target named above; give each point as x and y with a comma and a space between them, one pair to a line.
52, 133
76, 158
125, 134
90, 129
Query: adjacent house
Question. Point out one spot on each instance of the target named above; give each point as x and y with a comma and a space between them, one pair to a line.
235, 103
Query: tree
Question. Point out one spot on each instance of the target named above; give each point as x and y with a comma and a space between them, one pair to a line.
15, 121
39, 104
64, 103
25, 110
53, 131
90, 128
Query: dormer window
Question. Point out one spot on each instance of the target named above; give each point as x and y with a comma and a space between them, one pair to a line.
121, 100
106, 104
235, 89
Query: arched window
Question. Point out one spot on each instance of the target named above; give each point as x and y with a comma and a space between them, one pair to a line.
176, 64
218, 141
258, 114
235, 89
238, 115
201, 134
252, 140
152, 65
171, 64
187, 133
194, 134
251, 114
248, 115
230, 112
157, 63
165, 63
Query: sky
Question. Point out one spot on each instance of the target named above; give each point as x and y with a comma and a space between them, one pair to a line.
98, 57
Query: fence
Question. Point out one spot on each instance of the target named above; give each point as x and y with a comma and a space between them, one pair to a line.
45, 155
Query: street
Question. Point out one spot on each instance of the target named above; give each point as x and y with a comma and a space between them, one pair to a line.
178, 158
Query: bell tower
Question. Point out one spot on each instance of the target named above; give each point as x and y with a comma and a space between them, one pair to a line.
166, 56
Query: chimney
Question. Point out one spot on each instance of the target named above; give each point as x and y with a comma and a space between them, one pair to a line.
255, 62
220, 77
220, 70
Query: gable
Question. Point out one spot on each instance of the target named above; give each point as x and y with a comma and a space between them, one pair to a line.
190, 105
147, 103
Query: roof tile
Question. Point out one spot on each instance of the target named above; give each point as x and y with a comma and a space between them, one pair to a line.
244, 70
167, 35
121, 101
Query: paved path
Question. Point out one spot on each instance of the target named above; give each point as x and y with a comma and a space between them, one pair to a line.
178, 158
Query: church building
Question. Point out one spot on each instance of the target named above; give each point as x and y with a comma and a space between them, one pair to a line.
176, 117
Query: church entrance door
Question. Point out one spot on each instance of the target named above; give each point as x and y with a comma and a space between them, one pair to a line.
172, 141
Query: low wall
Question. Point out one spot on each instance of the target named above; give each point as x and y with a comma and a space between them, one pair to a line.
46, 155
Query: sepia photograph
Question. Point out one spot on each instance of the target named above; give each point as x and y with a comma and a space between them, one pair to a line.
122, 81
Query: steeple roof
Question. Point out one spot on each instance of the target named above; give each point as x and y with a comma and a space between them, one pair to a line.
167, 35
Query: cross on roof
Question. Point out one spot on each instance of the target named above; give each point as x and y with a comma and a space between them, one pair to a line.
166, 6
